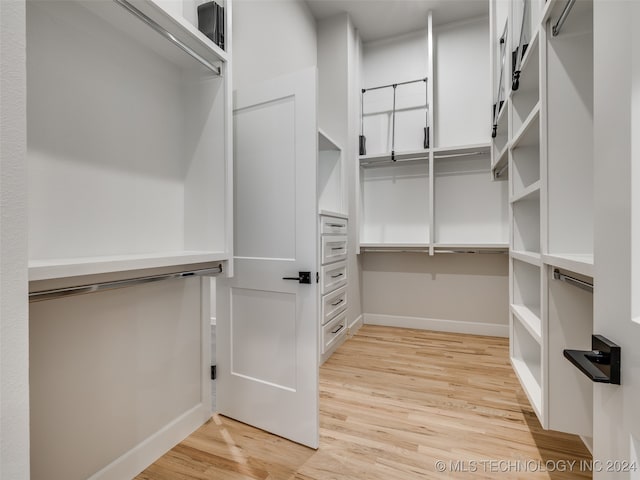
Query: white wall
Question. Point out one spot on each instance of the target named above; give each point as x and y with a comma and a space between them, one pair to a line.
271, 38
469, 288
338, 116
462, 91
14, 323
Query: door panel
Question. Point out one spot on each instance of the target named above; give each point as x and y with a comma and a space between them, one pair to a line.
267, 333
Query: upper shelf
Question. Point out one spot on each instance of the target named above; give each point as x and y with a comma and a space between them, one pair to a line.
461, 151
148, 23
326, 143
385, 158
578, 263
529, 133
73, 267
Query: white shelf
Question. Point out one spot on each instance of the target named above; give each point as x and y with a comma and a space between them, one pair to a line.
530, 320
528, 56
325, 142
472, 246
529, 384
532, 258
501, 159
395, 246
177, 27
477, 149
505, 107
578, 263
528, 193
330, 213
73, 267
384, 158
528, 135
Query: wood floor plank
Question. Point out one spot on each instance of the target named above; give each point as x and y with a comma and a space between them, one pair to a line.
393, 402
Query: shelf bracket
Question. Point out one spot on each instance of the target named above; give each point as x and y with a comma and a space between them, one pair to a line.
601, 364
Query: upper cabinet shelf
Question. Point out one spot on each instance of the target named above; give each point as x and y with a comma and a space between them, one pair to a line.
385, 158
461, 151
74, 267
172, 37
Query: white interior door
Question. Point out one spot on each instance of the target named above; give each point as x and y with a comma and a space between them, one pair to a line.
616, 413
267, 333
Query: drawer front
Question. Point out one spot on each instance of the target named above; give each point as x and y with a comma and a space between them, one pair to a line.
333, 225
333, 304
333, 331
334, 248
333, 276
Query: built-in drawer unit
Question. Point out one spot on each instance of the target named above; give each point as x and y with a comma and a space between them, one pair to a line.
333, 303
333, 225
332, 331
334, 248
332, 277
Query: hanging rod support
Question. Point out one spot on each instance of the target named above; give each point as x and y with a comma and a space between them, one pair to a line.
101, 286
572, 281
168, 35
394, 84
501, 171
563, 17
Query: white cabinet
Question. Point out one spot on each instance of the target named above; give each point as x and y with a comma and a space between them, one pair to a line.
129, 169
332, 283
544, 147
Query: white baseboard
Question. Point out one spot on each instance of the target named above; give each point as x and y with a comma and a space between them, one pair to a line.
353, 328
149, 450
453, 326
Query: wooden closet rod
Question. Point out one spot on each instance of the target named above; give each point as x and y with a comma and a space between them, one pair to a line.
102, 286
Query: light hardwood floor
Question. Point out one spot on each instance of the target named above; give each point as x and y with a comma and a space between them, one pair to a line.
393, 402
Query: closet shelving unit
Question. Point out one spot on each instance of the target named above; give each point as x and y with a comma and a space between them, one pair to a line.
128, 189
129, 152
414, 203
550, 171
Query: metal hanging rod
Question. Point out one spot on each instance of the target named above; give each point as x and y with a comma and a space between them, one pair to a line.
576, 282
455, 155
168, 35
394, 84
563, 17
102, 286
391, 162
499, 173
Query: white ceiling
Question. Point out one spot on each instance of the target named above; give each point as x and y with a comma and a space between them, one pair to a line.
376, 19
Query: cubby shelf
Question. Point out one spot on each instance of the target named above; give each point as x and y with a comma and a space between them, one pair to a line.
528, 134
532, 258
528, 193
530, 384
529, 319
501, 158
73, 267
531, 55
578, 263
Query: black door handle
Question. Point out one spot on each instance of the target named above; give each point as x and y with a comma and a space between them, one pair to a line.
303, 277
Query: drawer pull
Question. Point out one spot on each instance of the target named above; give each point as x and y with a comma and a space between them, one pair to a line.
337, 248
337, 329
334, 225
337, 275
338, 302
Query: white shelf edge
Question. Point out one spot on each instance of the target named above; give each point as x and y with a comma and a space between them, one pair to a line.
529, 384
533, 44
546, 12
333, 144
531, 258
530, 191
395, 245
530, 320
526, 125
502, 157
582, 264
73, 267
491, 246
505, 106
485, 148
329, 213
408, 155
